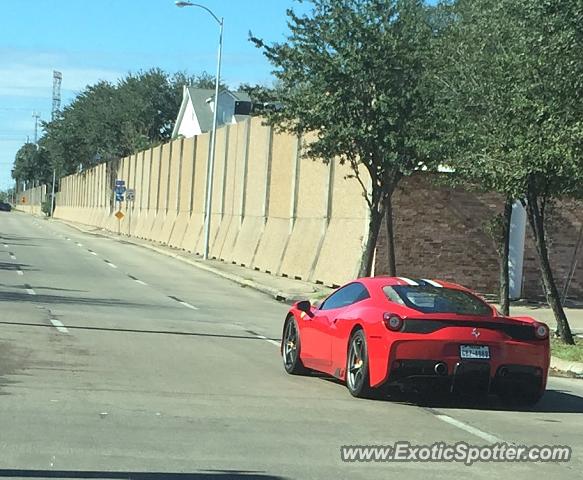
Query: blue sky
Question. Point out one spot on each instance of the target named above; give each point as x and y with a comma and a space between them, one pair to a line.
105, 39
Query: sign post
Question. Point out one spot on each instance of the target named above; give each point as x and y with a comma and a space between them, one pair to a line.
130, 197
120, 189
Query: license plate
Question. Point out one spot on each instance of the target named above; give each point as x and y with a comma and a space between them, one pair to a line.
481, 352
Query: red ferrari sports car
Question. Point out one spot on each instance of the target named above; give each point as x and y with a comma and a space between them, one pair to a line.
417, 334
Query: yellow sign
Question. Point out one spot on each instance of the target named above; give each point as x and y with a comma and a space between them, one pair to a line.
119, 215
23, 200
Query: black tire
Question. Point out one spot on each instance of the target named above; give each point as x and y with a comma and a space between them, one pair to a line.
357, 373
290, 348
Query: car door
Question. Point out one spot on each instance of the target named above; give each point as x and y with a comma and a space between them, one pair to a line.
319, 331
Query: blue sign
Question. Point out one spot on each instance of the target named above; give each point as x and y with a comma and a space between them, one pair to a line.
120, 183
119, 196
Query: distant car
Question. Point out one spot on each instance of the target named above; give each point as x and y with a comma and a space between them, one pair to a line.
5, 207
417, 334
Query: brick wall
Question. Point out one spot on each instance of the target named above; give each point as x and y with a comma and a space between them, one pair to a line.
439, 233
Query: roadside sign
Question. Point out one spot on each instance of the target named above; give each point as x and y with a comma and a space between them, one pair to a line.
119, 215
23, 200
120, 183
119, 196
130, 194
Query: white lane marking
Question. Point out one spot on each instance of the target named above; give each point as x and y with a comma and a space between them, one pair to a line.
19, 272
68, 239
30, 291
59, 326
78, 244
408, 281
93, 253
5, 246
269, 340
111, 264
186, 304
468, 428
12, 256
140, 282
431, 282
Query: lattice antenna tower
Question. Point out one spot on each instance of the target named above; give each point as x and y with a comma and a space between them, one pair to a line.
57, 79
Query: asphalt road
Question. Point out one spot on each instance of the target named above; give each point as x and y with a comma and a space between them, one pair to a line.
118, 362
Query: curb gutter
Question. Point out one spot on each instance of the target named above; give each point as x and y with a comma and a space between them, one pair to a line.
567, 366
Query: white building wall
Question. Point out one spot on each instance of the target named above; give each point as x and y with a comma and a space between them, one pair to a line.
189, 127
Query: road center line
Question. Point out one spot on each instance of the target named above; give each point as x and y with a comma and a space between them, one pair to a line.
262, 337
182, 302
59, 326
137, 280
29, 289
467, 428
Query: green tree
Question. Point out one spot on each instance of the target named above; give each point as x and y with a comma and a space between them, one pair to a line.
31, 164
108, 121
510, 84
350, 73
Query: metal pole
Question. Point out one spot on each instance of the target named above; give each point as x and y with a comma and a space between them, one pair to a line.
211, 163
571, 273
53, 192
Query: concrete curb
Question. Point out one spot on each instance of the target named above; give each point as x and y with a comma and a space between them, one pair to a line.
567, 366
280, 296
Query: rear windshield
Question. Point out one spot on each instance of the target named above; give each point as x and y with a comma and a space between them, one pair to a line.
429, 299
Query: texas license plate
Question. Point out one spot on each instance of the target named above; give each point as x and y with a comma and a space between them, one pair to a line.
481, 352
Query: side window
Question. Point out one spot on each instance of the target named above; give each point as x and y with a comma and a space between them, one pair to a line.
352, 293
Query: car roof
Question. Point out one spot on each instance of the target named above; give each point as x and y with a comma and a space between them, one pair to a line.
385, 281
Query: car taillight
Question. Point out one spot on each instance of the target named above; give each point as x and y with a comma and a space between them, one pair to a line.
393, 322
541, 331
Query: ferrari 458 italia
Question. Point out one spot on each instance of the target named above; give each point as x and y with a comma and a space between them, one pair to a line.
417, 334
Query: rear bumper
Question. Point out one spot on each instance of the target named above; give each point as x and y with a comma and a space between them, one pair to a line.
512, 365
467, 377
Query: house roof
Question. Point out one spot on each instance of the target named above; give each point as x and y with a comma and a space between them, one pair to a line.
198, 97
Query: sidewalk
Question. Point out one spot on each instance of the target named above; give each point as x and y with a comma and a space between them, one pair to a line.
280, 288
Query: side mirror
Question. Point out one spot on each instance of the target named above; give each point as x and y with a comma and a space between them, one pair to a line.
304, 306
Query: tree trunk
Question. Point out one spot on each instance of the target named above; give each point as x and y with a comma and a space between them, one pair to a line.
504, 280
374, 226
536, 220
390, 237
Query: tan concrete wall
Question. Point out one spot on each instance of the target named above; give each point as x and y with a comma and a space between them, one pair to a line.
271, 209
30, 200
192, 237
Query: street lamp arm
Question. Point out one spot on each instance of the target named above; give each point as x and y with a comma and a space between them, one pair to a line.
189, 4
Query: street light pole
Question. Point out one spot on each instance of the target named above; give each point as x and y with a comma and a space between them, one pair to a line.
211, 162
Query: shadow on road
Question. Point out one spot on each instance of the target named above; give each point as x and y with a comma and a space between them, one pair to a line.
204, 475
135, 330
15, 266
553, 401
60, 299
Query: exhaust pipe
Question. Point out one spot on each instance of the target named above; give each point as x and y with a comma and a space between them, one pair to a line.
440, 368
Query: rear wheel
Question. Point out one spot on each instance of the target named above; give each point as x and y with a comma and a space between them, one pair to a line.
290, 348
357, 374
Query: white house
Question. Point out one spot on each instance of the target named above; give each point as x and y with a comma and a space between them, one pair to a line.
197, 109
